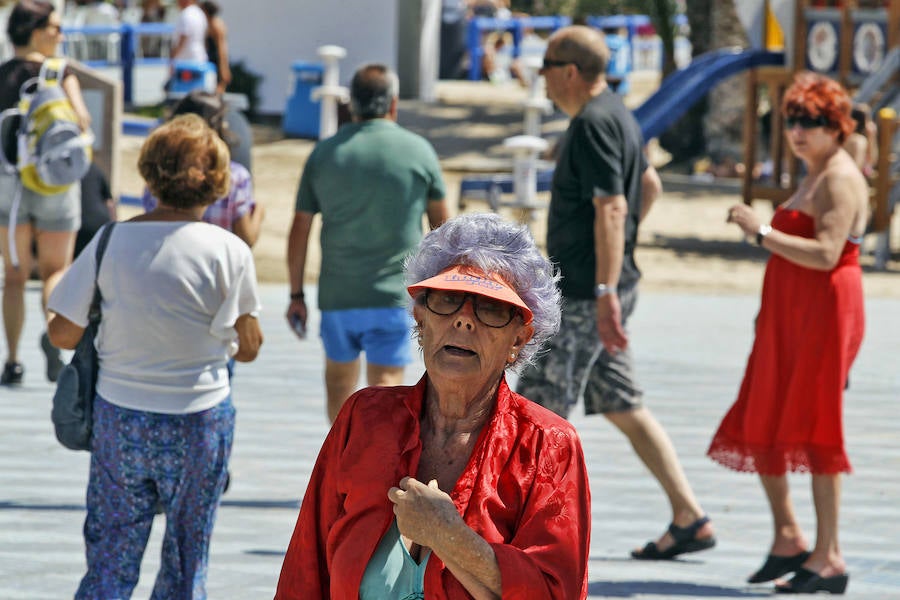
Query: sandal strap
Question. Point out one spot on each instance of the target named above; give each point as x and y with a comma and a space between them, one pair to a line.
686, 534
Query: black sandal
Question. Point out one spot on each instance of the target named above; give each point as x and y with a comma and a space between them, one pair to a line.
685, 541
805, 581
776, 566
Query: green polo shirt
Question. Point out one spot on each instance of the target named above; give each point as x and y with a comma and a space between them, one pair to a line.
371, 182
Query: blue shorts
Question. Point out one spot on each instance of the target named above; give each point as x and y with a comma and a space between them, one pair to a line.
384, 334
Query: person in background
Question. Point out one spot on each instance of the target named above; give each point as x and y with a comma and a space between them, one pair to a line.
862, 143
619, 67
372, 181
97, 206
217, 44
34, 30
237, 211
152, 11
788, 413
179, 297
190, 33
453, 39
456, 487
602, 188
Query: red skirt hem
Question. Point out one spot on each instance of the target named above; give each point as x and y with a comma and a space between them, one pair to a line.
779, 460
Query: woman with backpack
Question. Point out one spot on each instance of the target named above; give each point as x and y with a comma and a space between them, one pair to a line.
49, 220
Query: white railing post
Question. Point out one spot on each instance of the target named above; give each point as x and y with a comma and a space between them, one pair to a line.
526, 149
537, 102
330, 92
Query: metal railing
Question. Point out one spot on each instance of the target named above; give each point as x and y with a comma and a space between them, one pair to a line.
121, 46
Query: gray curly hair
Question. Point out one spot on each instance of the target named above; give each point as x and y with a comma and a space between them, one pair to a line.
495, 246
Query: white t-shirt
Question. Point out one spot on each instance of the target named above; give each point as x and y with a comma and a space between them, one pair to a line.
192, 24
172, 292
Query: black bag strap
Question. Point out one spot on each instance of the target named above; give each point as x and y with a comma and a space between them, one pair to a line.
95, 313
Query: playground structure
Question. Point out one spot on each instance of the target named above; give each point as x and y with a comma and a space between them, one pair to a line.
857, 44
530, 175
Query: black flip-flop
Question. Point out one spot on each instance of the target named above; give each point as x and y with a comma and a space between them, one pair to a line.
685, 541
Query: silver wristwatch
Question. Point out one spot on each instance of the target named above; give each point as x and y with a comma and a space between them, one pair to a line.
763, 231
601, 289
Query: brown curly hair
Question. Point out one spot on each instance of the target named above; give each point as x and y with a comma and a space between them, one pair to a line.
815, 95
185, 163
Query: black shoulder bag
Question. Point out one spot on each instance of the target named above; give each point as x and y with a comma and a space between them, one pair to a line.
73, 402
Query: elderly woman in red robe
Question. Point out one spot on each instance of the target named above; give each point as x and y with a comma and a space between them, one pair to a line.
455, 487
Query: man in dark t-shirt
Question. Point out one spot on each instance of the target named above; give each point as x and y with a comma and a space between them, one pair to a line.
602, 188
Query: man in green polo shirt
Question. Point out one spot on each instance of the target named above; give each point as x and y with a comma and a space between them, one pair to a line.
372, 182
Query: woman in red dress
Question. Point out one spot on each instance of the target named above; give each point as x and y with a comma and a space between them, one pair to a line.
788, 415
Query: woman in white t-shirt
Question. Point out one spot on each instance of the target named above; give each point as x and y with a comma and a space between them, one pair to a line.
190, 33
179, 298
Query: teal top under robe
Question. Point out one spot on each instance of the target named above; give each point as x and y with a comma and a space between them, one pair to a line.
392, 574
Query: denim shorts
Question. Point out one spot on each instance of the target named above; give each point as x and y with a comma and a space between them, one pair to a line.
384, 334
60, 212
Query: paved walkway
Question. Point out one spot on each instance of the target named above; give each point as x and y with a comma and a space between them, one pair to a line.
690, 355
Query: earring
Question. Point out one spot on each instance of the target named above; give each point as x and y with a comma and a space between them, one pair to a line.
512, 356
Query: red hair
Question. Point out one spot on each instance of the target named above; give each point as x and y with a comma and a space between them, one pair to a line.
815, 96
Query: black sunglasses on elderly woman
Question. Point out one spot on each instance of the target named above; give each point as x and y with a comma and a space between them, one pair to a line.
493, 313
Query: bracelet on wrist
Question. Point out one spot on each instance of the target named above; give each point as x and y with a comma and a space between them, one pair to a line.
297, 295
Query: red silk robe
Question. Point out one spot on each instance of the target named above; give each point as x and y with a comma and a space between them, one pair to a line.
525, 490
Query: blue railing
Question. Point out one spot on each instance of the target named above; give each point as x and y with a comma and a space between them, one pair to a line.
479, 26
129, 37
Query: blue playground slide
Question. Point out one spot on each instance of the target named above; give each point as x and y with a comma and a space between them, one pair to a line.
682, 89
677, 93
881, 81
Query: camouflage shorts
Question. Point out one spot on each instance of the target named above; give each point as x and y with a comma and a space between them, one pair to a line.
575, 365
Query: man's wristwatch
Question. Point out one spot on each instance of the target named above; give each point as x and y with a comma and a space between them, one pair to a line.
297, 295
764, 230
601, 289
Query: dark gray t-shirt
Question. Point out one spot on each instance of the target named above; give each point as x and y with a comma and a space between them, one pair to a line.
601, 155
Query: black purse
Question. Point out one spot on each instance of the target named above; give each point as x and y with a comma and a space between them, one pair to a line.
73, 401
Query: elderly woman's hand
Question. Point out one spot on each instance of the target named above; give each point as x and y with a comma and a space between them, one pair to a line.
422, 511
744, 217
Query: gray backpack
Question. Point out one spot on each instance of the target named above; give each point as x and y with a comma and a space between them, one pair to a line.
51, 151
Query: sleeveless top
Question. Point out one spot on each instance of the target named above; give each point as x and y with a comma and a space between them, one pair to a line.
788, 416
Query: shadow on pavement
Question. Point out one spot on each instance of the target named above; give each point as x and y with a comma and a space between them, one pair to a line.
465, 129
291, 504
692, 245
53, 507
265, 552
627, 589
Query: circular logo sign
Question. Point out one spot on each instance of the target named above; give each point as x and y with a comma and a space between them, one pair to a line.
868, 47
822, 46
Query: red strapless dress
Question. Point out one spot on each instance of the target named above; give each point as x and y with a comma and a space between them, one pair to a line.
788, 414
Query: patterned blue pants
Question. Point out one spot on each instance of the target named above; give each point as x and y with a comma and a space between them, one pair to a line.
142, 459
